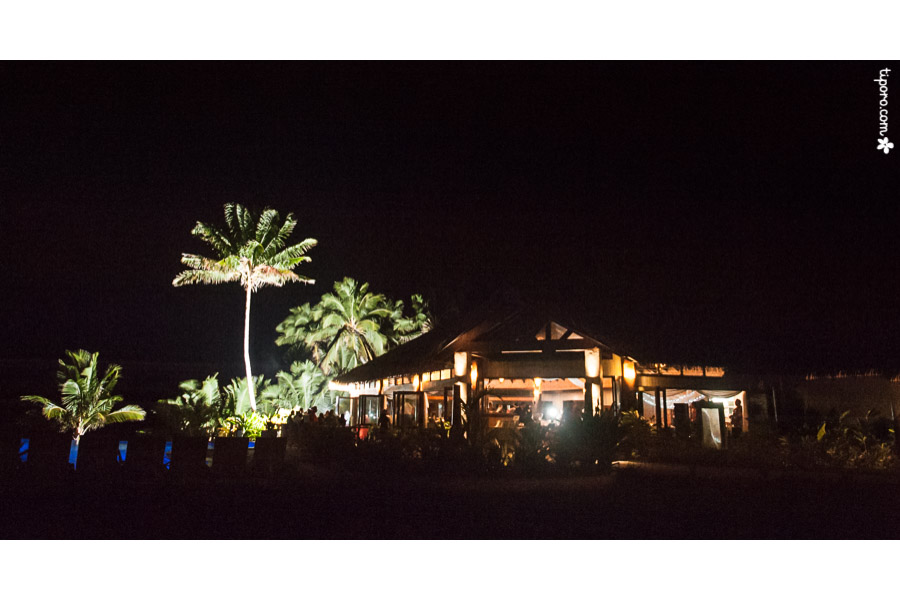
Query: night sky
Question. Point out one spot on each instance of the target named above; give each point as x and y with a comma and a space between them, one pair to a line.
734, 211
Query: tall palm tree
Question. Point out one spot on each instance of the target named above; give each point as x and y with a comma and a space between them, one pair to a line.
251, 251
346, 328
86, 398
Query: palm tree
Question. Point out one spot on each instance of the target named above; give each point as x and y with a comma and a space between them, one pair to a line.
344, 329
201, 407
237, 394
406, 328
294, 330
251, 251
86, 397
303, 387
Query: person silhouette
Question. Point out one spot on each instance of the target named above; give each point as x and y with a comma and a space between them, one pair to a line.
737, 419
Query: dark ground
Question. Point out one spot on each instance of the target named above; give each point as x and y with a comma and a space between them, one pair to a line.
628, 504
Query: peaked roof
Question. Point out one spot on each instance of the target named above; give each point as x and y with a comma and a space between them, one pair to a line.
508, 326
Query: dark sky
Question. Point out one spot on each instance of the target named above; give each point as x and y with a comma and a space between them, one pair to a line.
713, 208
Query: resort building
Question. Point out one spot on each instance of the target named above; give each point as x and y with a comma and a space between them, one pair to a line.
510, 361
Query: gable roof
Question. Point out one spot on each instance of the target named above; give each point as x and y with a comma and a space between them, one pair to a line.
501, 328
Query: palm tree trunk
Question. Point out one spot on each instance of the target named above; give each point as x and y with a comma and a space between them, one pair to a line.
250, 389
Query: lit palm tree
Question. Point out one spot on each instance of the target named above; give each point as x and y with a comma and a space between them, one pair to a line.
294, 330
251, 251
303, 387
86, 398
406, 328
200, 408
237, 393
344, 329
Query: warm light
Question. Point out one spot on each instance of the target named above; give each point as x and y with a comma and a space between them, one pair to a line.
501, 380
415, 382
595, 393
628, 371
459, 363
473, 374
338, 387
592, 362
537, 384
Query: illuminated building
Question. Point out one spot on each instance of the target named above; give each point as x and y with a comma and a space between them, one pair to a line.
526, 359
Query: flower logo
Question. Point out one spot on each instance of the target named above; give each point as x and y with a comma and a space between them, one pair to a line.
884, 144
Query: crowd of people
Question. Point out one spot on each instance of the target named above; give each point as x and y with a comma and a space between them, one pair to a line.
329, 418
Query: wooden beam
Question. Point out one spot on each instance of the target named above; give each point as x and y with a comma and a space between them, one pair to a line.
658, 410
551, 368
665, 403
735, 383
534, 345
456, 425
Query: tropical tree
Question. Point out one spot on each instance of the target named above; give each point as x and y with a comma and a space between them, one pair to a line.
303, 387
346, 328
408, 327
251, 250
239, 396
86, 397
294, 330
351, 326
200, 408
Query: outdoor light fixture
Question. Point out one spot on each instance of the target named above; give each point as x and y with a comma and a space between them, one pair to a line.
628, 371
416, 382
537, 384
473, 374
459, 363
592, 362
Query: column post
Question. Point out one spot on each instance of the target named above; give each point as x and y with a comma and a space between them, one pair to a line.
593, 381
658, 409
